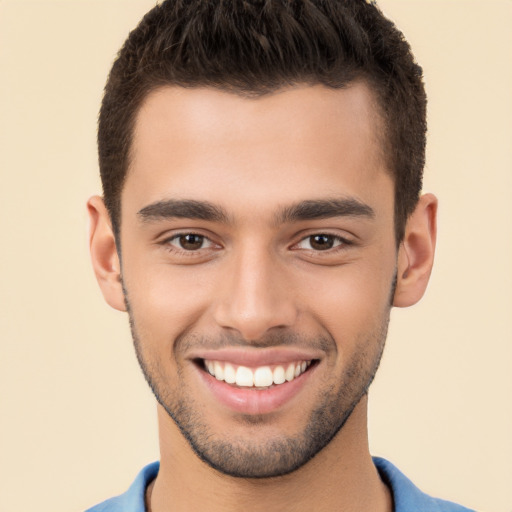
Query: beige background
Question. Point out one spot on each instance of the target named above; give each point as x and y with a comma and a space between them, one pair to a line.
77, 420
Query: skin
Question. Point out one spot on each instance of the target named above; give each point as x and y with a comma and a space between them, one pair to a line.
256, 282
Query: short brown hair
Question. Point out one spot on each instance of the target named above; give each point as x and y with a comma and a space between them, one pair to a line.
254, 47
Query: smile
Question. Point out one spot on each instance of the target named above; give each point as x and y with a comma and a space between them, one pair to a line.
261, 377
252, 382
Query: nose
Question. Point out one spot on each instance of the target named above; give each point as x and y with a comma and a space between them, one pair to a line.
256, 295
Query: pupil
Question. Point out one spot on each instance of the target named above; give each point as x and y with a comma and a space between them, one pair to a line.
322, 242
191, 241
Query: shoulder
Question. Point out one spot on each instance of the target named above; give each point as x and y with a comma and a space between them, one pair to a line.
407, 496
133, 499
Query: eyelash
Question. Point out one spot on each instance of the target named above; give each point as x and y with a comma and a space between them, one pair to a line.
180, 250
341, 243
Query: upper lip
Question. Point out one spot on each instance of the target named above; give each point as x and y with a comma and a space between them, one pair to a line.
254, 357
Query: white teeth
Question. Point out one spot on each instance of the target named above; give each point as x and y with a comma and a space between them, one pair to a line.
290, 372
229, 374
261, 377
278, 375
219, 371
244, 377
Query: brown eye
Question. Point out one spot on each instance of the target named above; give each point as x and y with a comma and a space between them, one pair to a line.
321, 242
189, 241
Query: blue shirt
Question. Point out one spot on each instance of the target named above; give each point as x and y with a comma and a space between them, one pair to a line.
406, 496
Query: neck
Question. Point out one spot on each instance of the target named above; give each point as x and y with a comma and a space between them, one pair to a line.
341, 477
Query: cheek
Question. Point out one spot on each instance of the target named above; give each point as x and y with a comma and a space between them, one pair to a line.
166, 300
350, 301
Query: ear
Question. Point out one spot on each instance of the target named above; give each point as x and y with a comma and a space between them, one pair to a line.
105, 260
416, 253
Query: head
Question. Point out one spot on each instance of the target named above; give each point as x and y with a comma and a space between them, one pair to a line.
261, 164
253, 48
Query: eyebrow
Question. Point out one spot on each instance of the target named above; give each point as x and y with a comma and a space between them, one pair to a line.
324, 209
310, 209
183, 209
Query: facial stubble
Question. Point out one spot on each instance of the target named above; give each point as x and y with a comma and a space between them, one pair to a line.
279, 454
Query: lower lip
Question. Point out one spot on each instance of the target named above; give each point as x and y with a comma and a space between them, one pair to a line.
255, 401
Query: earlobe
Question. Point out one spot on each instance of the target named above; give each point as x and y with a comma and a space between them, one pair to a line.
104, 256
416, 253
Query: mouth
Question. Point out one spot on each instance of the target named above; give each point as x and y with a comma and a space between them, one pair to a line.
254, 388
258, 378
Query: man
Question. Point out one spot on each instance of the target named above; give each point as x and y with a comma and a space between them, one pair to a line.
262, 165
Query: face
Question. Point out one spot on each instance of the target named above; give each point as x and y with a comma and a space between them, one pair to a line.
258, 261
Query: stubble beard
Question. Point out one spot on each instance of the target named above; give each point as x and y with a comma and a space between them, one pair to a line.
280, 454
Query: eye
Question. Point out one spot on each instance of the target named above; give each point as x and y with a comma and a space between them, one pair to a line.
321, 242
190, 242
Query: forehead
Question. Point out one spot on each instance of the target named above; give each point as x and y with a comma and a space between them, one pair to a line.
296, 143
